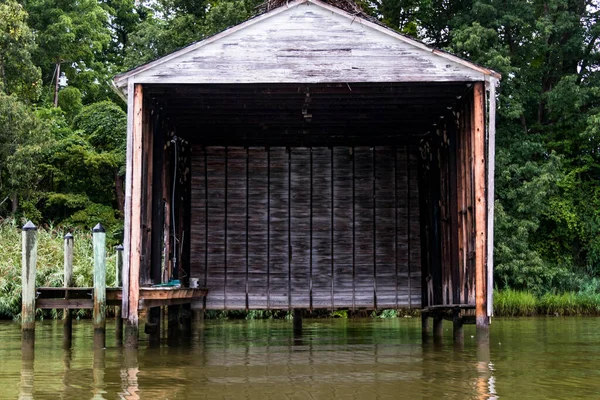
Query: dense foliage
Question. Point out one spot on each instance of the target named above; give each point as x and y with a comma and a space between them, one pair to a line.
64, 165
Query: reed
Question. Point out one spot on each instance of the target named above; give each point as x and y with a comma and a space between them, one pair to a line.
513, 303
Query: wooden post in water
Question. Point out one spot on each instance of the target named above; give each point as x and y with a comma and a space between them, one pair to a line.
173, 324
457, 326
118, 283
99, 239
197, 318
68, 282
28, 272
438, 328
297, 322
425, 328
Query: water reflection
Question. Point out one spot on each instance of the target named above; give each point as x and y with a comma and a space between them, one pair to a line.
66, 377
485, 383
334, 359
129, 375
26, 385
98, 371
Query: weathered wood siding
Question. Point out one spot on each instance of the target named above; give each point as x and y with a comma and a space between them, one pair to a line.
306, 227
307, 42
448, 200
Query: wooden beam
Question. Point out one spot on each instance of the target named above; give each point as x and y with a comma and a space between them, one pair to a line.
69, 304
479, 169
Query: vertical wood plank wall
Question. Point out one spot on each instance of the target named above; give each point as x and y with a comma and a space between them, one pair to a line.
321, 227
453, 190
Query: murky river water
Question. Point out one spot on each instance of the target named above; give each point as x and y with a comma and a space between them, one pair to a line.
544, 358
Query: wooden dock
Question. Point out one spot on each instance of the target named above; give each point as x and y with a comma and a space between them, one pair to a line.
82, 297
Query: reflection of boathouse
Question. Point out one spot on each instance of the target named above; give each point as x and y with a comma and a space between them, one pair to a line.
311, 158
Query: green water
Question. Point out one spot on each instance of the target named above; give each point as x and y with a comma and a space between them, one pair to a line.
543, 358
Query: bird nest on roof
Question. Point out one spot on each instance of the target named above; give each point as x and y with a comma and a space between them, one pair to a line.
349, 6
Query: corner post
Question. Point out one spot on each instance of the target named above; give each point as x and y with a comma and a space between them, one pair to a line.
133, 199
479, 169
99, 239
67, 283
119, 283
28, 273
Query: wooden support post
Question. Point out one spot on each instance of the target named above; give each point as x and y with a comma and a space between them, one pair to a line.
297, 322
186, 320
68, 282
28, 272
152, 328
133, 221
479, 168
438, 328
425, 328
99, 315
197, 318
119, 283
173, 324
457, 326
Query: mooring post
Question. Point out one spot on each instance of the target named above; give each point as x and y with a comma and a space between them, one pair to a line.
118, 283
28, 272
68, 282
457, 326
99, 239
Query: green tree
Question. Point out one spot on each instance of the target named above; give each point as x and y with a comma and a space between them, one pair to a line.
18, 73
19, 128
74, 35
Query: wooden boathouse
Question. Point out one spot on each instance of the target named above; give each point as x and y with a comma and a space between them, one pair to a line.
311, 158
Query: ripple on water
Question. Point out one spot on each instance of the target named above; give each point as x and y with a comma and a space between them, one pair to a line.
335, 359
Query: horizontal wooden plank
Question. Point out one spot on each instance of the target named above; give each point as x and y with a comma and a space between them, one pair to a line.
63, 303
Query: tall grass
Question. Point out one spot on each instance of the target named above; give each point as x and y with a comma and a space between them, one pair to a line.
512, 303
49, 263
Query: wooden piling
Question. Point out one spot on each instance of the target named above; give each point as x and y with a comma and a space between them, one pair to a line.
457, 326
297, 322
173, 324
425, 328
68, 282
99, 315
438, 328
28, 272
197, 307
119, 283
152, 328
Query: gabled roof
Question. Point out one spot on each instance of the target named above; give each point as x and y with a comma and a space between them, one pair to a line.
307, 41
